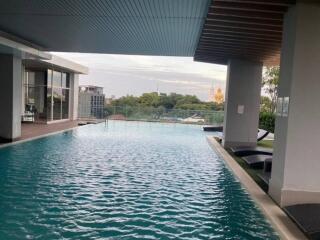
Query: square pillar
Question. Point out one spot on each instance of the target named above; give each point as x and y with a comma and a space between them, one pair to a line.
11, 96
295, 177
242, 103
74, 100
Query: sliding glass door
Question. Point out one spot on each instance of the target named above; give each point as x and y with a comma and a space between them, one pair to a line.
60, 87
46, 94
35, 91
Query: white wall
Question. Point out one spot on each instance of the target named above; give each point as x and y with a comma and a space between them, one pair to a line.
243, 89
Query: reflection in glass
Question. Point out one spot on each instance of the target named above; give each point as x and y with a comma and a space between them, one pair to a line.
49, 103
49, 78
65, 103
65, 80
35, 94
57, 97
56, 79
46, 94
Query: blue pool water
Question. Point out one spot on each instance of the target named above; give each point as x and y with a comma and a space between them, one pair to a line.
130, 180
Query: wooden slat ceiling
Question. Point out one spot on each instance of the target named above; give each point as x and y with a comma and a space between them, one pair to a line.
245, 29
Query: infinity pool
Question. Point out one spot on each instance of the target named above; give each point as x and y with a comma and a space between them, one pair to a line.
129, 180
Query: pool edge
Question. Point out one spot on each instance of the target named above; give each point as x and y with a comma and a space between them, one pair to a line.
279, 220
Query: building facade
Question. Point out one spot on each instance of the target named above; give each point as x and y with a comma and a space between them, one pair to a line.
91, 102
49, 91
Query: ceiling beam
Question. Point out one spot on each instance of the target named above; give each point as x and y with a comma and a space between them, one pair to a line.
286, 3
228, 50
244, 20
243, 46
246, 29
216, 35
277, 37
245, 6
246, 14
246, 26
238, 41
227, 57
258, 31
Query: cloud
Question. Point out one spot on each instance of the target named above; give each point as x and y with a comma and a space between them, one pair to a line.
130, 74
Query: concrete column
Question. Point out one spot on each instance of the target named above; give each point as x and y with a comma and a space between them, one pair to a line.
296, 163
10, 93
74, 99
242, 103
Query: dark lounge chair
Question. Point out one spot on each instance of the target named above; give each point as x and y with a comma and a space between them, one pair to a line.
213, 128
243, 151
261, 132
257, 161
265, 176
307, 216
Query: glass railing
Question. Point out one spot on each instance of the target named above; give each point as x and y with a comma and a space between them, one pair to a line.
160, 114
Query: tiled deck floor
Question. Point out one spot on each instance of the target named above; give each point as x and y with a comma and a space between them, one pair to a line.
30, 130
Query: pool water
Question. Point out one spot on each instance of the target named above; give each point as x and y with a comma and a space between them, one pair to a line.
127, 180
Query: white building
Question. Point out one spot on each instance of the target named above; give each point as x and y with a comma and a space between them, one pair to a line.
91, 102
50, 90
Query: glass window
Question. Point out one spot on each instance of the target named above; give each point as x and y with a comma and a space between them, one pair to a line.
56, 79
40, 79
31, 78
49, 103
29, 96
65, 80
35, 78
49, 78
35, 100
35, 92
65, 103
57, 98
47, 94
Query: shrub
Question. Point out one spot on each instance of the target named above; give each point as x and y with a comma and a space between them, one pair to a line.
267, 121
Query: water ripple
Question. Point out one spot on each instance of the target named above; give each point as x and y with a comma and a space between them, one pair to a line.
126, 181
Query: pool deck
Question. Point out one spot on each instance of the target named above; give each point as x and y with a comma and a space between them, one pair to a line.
31, 131
277, 217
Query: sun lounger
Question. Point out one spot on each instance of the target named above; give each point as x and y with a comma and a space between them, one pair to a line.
307, 216
213, 128
265, 177
247, 151
256, 161
262, 134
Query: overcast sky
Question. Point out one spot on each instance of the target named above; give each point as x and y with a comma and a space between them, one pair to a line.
127, 74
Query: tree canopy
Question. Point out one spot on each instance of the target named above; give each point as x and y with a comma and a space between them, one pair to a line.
270, 86
168, 101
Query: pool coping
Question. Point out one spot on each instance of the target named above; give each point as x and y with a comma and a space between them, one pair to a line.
280, 221
37, 137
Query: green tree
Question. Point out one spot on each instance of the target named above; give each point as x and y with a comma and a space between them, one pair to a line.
270, 86
164, 101
128, 100
266, 104
149, 99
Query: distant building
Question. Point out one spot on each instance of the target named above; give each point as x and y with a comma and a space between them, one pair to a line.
91, 102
